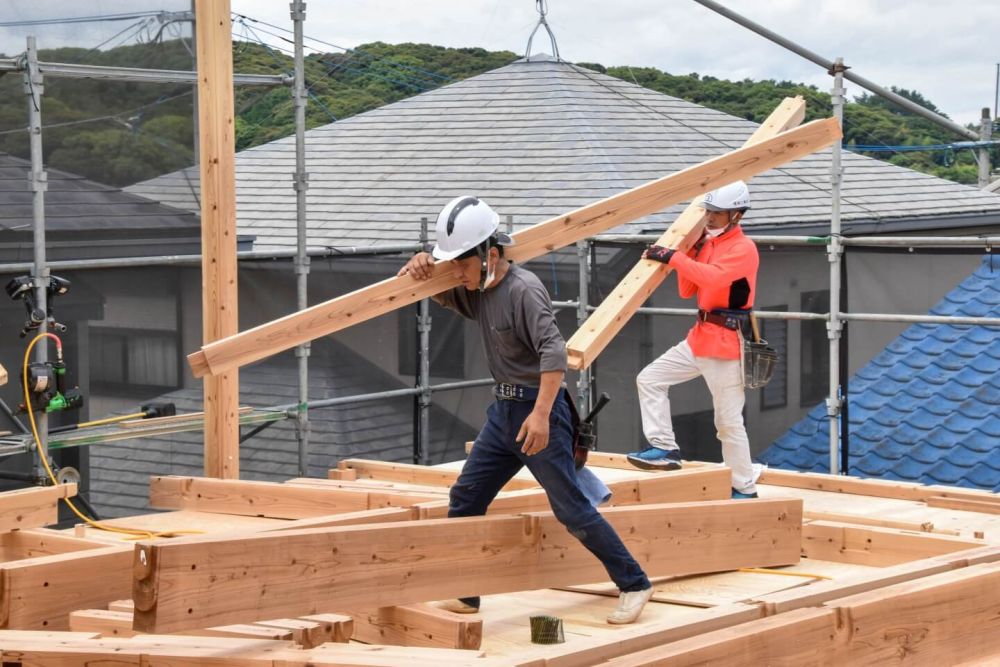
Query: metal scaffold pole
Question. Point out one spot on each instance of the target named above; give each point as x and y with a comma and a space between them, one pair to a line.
424, 399
34, 88
583, 382
835, 255
301, 185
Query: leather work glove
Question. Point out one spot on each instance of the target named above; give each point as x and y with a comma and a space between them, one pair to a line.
659, 254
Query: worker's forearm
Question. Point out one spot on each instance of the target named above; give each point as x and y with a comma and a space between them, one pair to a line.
548, 389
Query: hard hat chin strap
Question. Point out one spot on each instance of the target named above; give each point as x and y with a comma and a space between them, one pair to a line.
486, 272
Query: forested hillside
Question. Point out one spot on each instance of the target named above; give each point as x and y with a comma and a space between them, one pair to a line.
121, 133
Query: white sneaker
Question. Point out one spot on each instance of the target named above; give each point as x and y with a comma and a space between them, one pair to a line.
456, 606
630, 606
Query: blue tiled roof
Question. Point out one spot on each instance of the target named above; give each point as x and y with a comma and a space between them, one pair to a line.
927, 408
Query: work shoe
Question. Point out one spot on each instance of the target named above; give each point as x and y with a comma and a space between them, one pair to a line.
654, 458
630, 606
739, 495
460, 605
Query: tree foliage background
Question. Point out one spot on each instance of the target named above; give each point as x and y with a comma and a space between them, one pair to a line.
121, 132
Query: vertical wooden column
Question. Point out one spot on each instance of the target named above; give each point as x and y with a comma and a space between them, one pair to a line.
216, 129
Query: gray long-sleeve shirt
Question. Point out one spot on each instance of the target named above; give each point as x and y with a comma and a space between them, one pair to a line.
518, 327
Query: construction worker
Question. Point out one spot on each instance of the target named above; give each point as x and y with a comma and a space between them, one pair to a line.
721, 270
530, 422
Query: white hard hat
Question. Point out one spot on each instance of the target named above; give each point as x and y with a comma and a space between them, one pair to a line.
732, 197
463, 224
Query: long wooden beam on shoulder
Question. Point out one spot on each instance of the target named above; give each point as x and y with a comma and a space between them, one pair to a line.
194, 582
620, 305
383, 297
32, 507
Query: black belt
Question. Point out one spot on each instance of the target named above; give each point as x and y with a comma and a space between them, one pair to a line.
504, 391
731, 319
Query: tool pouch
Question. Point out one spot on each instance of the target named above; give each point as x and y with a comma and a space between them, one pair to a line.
584, 440
757, 358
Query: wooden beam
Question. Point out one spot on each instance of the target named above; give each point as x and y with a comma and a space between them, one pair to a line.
417, 474
393, 293
104, 622
191, 582
638, 285
269, 499
823, 591
32, 507
651, 488
39, 593
64, 649
982, 506
879, 488
875, 546
217, 148
418, 625
381, 515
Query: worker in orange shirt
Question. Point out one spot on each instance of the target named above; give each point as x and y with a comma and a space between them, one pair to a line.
721, 270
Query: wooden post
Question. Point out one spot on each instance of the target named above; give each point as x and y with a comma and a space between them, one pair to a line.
217, 146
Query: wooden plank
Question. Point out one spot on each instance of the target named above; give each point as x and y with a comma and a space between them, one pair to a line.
393, 293
941, 619
418, 625
964, 504
369, 485
20, 545
801, 637
875, 546
74, 649
121, 605
638, 285
924, 527
39, 593
381, 515
651, 488
104, 622
338, 627
268, 499
879, 488
217, 148
417, 474
32, 507
824, 591
190, 582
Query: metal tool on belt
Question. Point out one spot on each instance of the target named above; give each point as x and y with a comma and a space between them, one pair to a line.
584, 437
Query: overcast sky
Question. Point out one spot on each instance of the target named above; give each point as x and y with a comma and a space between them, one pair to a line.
946, 50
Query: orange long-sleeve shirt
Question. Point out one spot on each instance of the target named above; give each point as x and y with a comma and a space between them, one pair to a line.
723, 274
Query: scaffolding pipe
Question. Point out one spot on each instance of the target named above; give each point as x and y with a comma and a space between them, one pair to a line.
81, 71
835, 251
193, 260
422, 438
583, 380
987, 242
300, 183
829, 66
985, 134
34, 88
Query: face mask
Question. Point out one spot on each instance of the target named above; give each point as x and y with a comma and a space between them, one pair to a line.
712, 233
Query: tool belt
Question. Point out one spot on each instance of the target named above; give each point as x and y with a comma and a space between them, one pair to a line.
734, 320
504, 391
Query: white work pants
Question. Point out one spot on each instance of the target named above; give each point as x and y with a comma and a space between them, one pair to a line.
724, 380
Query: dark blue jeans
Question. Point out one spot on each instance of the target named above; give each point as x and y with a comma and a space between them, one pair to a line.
496, 457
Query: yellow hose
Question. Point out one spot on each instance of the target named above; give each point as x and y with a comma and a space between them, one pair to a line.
136, 533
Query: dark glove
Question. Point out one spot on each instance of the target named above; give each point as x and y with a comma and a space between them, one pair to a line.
659, 253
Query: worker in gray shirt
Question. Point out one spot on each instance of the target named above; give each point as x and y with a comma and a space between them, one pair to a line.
530, 423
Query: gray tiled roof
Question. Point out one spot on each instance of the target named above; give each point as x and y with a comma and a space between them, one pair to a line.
536, 139
382, 429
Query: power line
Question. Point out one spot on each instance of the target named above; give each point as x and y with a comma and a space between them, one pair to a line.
82, 19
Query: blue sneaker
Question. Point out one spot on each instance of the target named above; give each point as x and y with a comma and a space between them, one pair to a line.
654, 458
739, 495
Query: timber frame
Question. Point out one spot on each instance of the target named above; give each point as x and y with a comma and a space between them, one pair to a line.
930, 588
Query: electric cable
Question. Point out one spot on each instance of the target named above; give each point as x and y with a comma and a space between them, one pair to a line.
136, 533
